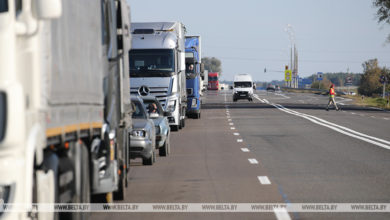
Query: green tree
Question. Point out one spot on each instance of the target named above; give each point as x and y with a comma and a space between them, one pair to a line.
369, 83
212, 64
383, 13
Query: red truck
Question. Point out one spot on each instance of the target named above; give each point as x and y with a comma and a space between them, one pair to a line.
213, 81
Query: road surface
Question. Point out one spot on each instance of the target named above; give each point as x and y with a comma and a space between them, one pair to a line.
281, 148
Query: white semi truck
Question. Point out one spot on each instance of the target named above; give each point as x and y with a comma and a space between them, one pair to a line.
64, 107
157, 66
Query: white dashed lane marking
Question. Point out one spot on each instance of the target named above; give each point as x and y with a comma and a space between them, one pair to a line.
264, 180
236, 134
231, 123
232, 128
282, 214
253, 161
244, 149
239, 140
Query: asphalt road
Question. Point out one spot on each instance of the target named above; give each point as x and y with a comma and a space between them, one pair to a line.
302, 154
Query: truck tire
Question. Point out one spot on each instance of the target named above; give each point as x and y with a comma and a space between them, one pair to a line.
85, 186
197, 115
120, 193
82, 172
174, 127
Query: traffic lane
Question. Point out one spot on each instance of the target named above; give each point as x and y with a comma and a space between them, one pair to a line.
214, 96
371, 123
311, 163
206, 165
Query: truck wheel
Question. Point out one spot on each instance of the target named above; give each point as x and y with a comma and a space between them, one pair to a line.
120, 193
234, 100
174, 127
197, 115
82, 172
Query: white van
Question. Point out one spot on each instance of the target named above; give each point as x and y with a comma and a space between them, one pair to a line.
243, 87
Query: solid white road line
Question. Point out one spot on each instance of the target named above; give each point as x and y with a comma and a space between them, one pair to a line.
264, 180
245, 149
239, 140
266, 101
282, 214
280, 94
236, 134
253, 161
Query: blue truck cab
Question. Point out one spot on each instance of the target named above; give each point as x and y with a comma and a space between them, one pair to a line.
194, 72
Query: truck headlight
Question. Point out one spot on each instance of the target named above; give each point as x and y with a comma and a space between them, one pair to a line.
194, 103
138, 133
171, 106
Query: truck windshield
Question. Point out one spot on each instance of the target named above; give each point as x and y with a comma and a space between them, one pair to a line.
3, 6
139, 111
213, 78
152, 63
242, 84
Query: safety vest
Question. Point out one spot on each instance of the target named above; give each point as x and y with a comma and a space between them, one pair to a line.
331, 92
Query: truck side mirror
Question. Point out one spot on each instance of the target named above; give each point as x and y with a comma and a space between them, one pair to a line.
202, 68
48, 9
167, 114
254, 87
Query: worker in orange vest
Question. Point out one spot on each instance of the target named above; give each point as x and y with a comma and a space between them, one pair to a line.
331, 98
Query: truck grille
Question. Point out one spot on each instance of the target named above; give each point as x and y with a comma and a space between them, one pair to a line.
160, 93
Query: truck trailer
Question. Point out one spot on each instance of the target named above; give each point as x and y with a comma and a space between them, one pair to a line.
64, 112
157, 66
194, 71
213, 81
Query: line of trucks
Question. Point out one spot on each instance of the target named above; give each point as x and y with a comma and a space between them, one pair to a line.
65, 107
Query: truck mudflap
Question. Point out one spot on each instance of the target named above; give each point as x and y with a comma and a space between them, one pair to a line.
104, 171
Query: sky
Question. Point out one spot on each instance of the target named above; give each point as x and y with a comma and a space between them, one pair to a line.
250, 35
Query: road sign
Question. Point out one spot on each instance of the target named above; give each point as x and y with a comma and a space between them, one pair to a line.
383, 79
319, 76
348, 80
287, 75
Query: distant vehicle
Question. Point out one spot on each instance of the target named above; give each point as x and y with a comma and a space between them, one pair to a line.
271, 87
194, 75
213, 81
143, 135
277, 88
243, 87
159, 117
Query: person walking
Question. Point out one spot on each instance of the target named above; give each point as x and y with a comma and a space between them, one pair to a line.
331, 98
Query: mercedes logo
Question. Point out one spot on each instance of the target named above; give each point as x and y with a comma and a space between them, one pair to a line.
143, 91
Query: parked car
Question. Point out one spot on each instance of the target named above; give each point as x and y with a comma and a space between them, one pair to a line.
159, 117
143, 135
